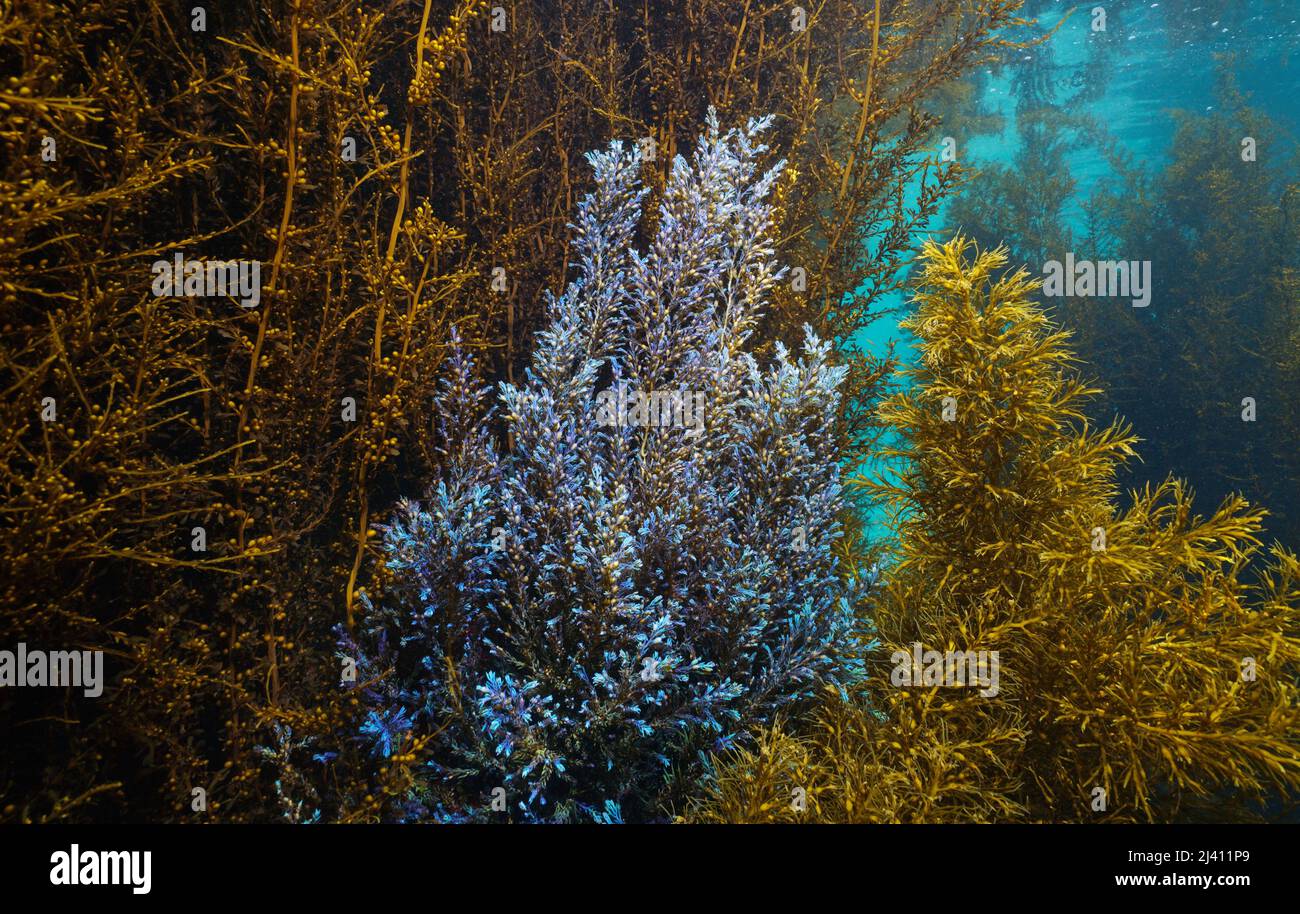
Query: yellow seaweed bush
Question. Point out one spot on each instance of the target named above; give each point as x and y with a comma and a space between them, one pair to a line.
1147, 658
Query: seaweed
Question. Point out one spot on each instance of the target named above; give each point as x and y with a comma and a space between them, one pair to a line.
629, 586
1148, 656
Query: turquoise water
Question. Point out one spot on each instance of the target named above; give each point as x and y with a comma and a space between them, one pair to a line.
1152, 59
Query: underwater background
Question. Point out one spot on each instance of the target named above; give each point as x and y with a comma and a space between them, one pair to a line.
554, 411
1078, 115
1116, 103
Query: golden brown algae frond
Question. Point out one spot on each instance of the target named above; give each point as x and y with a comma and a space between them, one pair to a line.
1148, 657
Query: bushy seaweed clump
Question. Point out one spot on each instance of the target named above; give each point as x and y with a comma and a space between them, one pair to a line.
573, 620
1148, 657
